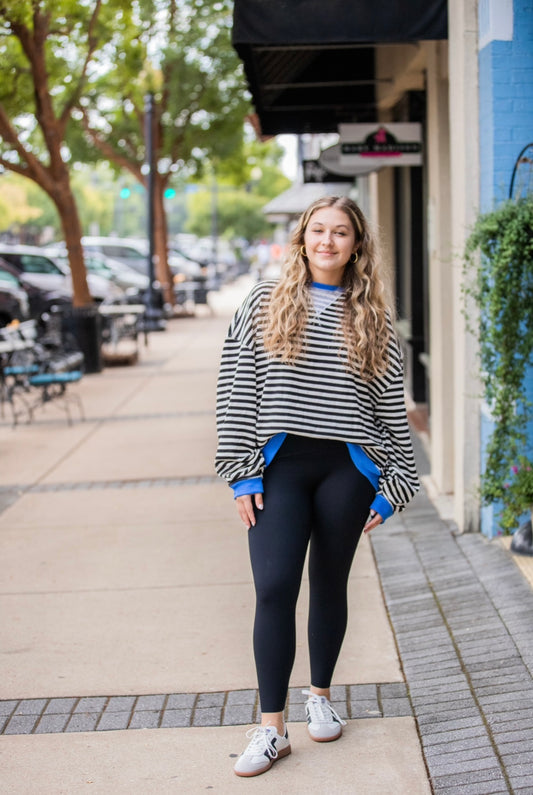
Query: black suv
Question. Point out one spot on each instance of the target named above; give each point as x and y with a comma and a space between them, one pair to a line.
41, 299
14, 303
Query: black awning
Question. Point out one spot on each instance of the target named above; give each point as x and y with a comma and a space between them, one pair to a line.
310, 63
338, 21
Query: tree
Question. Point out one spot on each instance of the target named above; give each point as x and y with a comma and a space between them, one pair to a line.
94, 189
181, 54
246, 181
28, 212
47, 48
15, 207
238, 212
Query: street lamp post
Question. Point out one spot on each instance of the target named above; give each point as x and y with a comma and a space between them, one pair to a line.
153, 316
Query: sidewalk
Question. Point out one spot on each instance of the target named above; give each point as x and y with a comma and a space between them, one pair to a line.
126, 604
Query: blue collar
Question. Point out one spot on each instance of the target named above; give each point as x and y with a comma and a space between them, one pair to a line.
332, 287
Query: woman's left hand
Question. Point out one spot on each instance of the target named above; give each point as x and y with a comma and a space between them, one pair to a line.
245, 507
372, 522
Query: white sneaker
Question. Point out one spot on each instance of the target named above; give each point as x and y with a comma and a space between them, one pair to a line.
265, 747
323, 723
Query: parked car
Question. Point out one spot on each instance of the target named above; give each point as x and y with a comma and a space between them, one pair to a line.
126, 277
130, 281
102, 290
41, 270
220, 260
186, 270
41, 300
189, 281
14, 302
128, 250
37, 268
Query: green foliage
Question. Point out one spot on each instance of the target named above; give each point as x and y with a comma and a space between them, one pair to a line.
47, 51
238, 214
502, 289
15, 206
128, 218
96, 192
246, 181
255, 164
75, 75
29, 211
180, 52
47, 217
518, 492
69, 31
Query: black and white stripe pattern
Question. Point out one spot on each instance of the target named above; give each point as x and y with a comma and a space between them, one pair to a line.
258, 397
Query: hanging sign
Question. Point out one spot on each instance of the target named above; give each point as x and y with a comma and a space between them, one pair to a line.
314, 171
330, 160
381, 144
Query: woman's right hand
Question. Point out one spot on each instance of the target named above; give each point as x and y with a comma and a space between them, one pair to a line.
245, 507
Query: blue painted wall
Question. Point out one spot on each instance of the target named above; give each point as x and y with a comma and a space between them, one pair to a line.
506, 126
505, 104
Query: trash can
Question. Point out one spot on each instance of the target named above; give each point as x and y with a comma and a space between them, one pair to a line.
85, 325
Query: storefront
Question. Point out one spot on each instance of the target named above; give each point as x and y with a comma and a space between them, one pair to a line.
314, 67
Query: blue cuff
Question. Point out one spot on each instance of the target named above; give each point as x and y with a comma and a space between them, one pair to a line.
248, 486
382, 506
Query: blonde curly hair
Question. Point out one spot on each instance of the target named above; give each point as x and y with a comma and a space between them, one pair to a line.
366, 328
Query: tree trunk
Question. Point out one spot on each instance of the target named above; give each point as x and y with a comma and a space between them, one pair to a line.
163, 272
72, 231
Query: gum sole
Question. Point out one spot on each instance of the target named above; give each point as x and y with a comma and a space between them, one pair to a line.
286, 751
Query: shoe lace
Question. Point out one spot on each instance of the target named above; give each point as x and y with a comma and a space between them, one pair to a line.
261, 742
320, 710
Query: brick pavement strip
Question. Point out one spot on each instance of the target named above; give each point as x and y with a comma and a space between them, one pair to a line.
176, 718
8, 496
20, 724
207, 716
52, 724
455, 603
113, 721
120, 704
82, 723
90, 705
145, 719
60, 706
238, 714
177, 710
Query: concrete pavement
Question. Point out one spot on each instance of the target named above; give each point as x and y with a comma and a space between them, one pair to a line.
127, 604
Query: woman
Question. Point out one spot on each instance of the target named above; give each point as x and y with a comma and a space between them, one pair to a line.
314, 441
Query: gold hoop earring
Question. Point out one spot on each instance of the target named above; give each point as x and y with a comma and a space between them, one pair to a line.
354, 257
303, 252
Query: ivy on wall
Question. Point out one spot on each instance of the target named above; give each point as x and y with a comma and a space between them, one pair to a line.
498, 276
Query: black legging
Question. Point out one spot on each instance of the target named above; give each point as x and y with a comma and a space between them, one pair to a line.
313, 492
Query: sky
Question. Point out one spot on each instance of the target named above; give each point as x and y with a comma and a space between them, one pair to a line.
289, 164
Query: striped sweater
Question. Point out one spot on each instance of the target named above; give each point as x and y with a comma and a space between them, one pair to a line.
259, 397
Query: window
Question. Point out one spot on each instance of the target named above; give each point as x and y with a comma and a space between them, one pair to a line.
123, 252
8, 278
33, 263
98, 266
